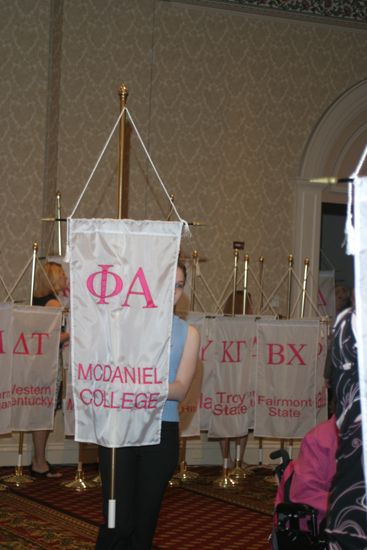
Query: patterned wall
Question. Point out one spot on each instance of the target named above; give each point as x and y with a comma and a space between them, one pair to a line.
224, 100
23, 106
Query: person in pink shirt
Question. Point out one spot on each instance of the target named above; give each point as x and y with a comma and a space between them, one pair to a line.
313, 470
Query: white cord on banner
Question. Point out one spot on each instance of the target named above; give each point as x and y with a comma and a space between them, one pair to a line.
360, 164
186, 225
8, 294
98, 161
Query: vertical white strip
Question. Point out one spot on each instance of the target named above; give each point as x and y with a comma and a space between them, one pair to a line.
360, 262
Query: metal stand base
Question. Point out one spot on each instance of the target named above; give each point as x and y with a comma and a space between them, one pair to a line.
79, 484
18, 478
225, 482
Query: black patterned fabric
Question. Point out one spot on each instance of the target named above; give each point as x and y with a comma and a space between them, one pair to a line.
347, 517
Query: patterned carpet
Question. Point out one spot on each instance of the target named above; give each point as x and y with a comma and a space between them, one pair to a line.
46, 514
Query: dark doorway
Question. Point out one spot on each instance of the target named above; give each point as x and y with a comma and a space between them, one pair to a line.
332, 247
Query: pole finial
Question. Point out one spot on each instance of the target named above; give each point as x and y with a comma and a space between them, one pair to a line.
123, 93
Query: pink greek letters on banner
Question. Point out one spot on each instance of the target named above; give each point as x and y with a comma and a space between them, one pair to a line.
287, 385
103, 292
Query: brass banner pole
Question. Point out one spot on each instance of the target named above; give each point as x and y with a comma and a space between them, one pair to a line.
58, 218
303, 302
172, 197
245, 279
19, 478
261, 272
224, 481
238, 472
195, 256
289, 290
289, 296
79, 483
121, 208
304, 287
121, 193
183, 474
235, 271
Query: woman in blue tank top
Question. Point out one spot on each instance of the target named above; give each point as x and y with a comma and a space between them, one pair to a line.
142, 473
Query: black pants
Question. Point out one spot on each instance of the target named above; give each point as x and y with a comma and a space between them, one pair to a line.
142, 475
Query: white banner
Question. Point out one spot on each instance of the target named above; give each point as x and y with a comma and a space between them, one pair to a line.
360, 264
30, 338
233, 382
286, 387
122, 286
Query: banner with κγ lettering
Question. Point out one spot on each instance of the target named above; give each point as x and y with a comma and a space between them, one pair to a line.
286, 378
122, 275
234, 394
29, 364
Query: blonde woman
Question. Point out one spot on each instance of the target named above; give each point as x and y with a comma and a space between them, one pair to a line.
50, 281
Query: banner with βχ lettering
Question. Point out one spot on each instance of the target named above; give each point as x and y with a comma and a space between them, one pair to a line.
286, 378
234, 393
122, 275
29, 352
190, 406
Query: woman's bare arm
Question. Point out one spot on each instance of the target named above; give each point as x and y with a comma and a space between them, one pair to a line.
178, 389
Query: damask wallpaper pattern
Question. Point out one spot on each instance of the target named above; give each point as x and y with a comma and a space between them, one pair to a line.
225, 102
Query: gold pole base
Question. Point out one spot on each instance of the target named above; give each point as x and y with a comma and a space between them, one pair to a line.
18, 478
79, 484
174, 482
97, 481
225, 482
239, 472
184, 474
